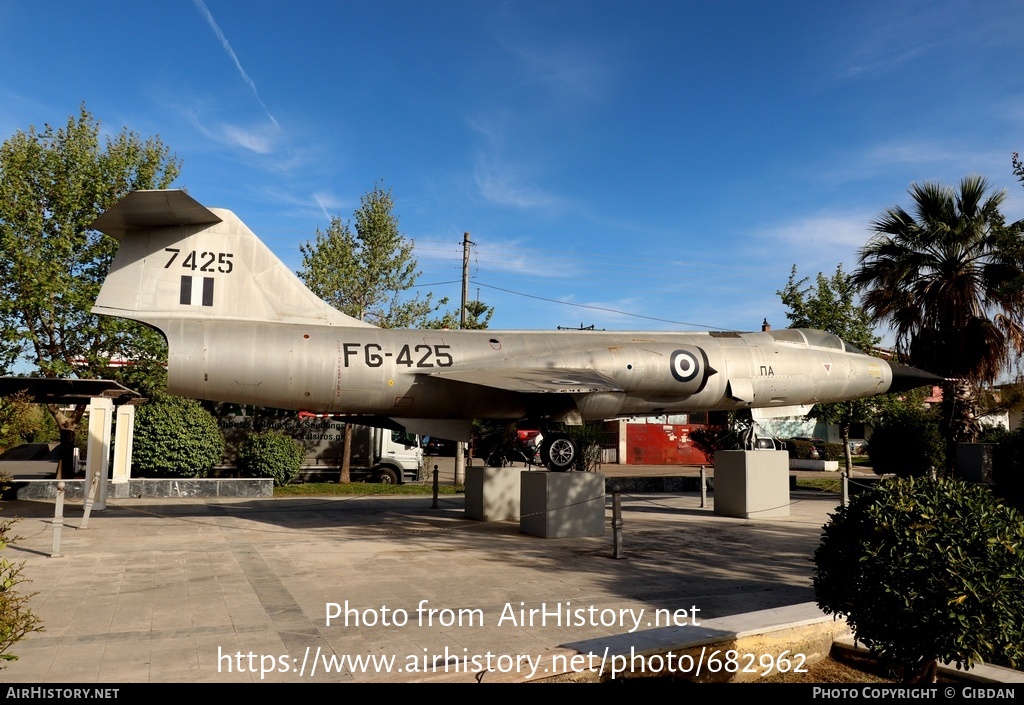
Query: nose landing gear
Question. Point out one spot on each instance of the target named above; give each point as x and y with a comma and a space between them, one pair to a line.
558, 452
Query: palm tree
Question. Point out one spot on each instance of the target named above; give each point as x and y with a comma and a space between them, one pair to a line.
948, 280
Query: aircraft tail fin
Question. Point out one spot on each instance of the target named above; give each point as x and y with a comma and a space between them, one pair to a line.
181, 260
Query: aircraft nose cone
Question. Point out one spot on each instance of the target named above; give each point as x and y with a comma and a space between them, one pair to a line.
905, 378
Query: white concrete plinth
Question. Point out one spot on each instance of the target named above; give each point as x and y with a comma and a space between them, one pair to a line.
823, 465
752, 484
492, 494
558, 505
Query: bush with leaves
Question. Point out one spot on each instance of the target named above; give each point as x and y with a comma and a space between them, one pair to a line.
588, 438
926, 570
270, 454
175, 436
810, 450
16, 620
907, 442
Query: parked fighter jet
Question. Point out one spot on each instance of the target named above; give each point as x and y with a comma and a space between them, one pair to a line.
241, 327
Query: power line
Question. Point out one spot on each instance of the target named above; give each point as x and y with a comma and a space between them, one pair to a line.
597, 308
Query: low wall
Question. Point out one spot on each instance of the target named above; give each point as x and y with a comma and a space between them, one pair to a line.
150, 487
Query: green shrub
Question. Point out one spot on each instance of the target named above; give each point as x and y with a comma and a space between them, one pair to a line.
808, 450
175, 436
800, 450
270, 454
834, 451
993, 434
907, 442
588, 439
16, 619
926, 569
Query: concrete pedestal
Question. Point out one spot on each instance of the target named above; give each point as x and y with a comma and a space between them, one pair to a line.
752, 484
562, 504
492, 494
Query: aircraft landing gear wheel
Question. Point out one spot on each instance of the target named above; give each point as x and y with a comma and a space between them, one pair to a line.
558, 453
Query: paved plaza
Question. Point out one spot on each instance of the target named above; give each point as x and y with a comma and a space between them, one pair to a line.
240, 590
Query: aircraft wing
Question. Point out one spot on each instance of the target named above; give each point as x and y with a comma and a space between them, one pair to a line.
551, 380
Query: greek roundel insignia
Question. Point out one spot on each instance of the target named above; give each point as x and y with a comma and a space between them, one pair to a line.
685, 366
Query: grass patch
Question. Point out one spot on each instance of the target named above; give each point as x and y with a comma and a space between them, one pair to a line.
307, 489
821, 484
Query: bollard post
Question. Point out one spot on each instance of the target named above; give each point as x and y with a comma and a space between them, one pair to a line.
617, 523
846, 488
703, 487
90, 500
58, 520
434, 505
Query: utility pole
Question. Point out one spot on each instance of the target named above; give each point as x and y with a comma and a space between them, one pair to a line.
460, 446
466, 244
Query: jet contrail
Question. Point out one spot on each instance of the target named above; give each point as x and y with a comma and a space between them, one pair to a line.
231, 52
316, 197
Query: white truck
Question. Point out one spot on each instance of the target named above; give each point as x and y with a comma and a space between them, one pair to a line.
378, 454
391, 457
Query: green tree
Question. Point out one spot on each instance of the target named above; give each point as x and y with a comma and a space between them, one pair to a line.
17, 422
946, 279
53, 184
925, 570
478, 317
367, 273
830, 304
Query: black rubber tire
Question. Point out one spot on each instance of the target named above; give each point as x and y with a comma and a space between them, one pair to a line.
558, 452
387, 476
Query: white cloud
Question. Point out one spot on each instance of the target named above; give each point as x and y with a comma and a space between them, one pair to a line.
570, 74
260, 139
814, 243
254, 139
500, 181
823, 231
503, 184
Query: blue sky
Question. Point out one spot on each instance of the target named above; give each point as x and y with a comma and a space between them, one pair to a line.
651, 165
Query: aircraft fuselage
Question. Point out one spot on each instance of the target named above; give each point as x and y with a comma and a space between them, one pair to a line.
423, 373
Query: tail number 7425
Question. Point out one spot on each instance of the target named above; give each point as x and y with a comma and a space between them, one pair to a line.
203, 261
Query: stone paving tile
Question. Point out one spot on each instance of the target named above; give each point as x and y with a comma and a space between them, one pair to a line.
161, 590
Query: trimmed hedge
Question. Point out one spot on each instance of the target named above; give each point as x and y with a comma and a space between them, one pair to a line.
802, 450
926, 569
270, 454
175, 436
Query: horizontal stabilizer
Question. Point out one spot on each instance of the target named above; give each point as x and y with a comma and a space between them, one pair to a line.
153, 209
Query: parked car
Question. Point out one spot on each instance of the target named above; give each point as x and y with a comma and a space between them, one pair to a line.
439, 447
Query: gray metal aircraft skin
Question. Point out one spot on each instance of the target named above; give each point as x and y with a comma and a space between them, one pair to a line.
241, 327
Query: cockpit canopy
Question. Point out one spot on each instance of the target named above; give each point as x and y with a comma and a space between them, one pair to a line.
813, 338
